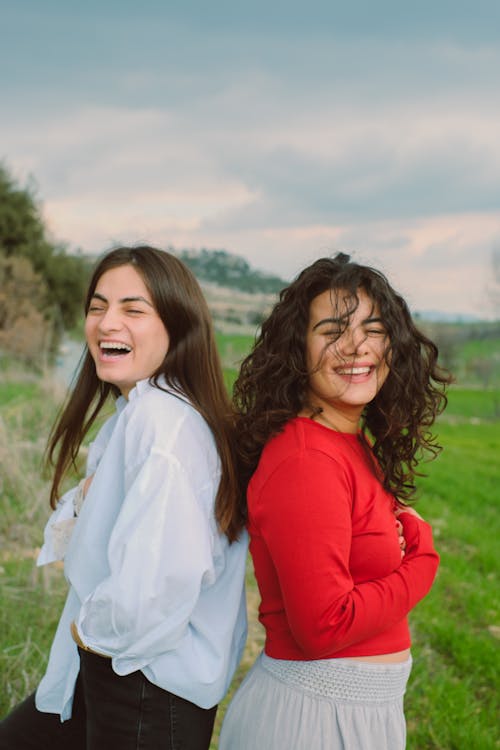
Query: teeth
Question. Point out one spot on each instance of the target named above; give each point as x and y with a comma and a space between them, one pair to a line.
114, 345
354, 371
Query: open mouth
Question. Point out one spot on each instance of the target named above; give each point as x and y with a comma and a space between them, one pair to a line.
114, 349
353, 371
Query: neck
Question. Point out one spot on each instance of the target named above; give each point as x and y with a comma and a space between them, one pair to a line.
333, 419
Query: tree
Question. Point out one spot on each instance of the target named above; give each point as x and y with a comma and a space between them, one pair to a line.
24, 330
61, 277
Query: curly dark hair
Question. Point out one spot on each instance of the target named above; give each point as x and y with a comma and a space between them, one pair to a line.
272, 386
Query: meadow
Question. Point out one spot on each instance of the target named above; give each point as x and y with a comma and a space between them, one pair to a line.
452, 698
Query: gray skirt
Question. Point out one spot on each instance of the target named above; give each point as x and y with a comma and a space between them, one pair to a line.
326, 704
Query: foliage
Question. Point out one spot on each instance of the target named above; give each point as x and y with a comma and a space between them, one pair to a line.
24, 330
61, 277
470, 350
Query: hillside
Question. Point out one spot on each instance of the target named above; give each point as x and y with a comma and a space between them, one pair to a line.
239, 296
228, 270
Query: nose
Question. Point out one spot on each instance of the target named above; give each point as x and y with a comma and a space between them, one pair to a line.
352, 342
110, 320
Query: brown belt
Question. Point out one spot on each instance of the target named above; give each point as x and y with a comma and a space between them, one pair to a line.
76, 637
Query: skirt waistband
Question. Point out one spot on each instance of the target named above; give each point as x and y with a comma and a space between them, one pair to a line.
342, 679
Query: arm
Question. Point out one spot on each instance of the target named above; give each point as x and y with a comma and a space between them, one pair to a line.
59, 528
304, 517
160, 556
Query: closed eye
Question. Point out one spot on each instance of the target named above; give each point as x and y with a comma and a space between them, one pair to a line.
135, 311
332, 334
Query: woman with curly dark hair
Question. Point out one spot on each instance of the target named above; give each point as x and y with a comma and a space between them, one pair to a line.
335, 403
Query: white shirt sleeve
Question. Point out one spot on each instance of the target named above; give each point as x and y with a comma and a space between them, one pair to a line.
59, 527
161, 555
58, 530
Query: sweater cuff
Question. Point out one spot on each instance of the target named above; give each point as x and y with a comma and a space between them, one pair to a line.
417, 534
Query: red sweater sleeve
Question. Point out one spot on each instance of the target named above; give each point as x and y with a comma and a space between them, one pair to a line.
303, 512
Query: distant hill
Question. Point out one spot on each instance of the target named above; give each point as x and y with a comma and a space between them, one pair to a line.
227, 270
438, 316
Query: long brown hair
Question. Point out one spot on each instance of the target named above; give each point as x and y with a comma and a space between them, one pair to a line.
191, 368
273, 382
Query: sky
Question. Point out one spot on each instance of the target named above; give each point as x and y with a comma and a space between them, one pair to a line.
279, 131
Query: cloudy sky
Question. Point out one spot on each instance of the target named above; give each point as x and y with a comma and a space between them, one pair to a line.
279, 131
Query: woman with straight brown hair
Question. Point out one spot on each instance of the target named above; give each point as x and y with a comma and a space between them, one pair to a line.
154, 623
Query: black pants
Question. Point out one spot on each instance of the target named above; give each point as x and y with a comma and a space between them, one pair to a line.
111, 713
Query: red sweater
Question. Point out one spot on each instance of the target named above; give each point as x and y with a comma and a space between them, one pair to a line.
326, 552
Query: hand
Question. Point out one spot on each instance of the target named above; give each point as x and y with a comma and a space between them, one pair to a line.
398, 510
83, 488
86, 485
406, 509
402, 540
404, 516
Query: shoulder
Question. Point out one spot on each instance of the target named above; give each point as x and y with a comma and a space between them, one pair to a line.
151, 403
300, 471
301, 448
301, 437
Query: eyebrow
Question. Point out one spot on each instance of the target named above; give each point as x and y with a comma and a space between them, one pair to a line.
341, 321
123, 300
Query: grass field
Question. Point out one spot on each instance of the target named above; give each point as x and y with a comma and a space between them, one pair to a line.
452, 698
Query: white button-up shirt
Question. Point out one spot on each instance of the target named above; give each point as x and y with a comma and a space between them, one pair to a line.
153, 583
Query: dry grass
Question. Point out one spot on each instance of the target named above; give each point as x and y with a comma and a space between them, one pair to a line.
30, 598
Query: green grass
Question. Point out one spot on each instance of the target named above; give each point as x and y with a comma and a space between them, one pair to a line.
451, 701
30, 599
233, 349
20, 392
477, 362
473, 403
480, 348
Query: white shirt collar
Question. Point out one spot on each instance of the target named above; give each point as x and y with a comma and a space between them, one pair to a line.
143, 385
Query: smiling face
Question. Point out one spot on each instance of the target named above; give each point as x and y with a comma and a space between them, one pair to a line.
347, 365
125, 335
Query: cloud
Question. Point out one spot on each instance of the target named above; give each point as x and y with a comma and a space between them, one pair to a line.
276, 131
393, 165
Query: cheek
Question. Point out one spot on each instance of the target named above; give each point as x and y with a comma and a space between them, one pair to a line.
161, 345
88, 330
164, 341
315, 356
383, 354
382, 373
